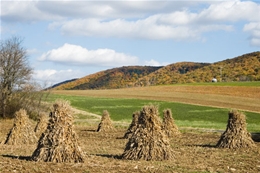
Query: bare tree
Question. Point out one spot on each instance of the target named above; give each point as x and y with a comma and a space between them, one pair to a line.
15, 71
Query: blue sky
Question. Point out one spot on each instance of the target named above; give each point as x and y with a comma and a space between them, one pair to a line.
71, 39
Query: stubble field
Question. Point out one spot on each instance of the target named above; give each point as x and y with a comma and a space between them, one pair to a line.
194, 150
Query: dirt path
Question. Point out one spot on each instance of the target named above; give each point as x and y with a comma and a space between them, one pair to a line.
89, 114
92, 118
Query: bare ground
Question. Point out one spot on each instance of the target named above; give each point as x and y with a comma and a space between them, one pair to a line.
194, 151
243, 98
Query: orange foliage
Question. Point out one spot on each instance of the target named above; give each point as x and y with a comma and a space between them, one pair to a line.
242, 68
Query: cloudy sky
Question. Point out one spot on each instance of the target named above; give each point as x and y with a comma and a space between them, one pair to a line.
70, 39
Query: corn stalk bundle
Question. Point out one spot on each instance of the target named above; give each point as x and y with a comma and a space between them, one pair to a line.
236, 135
22, 131
148, 142
106, 124
41, 124
59, 143
168, 124
132, 127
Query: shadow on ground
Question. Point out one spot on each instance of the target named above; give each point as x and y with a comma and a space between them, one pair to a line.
27, 158
256, 137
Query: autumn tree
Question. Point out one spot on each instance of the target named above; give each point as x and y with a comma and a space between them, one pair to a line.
15, 72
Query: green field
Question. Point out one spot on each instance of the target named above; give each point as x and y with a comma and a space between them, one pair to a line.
236, 83
185, 115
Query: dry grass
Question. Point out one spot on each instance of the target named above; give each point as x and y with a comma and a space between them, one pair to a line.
148, 141
236, 134
168, 124
22, 131
133, 126
106, 124
194, 151
59, 142
41, 124
242, 98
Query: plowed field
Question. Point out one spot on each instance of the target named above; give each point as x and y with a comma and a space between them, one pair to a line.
239, 97
194, 150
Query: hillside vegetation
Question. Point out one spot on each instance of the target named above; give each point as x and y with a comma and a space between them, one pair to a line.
242, 68
112, 78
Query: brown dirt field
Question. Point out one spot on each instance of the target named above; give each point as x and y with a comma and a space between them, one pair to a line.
243, 98
194, 151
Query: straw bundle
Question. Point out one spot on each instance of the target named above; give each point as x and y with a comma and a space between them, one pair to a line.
41, 124
22, 131
132, 127
106, 124
59, 143
168, 125
236, 135
148, 141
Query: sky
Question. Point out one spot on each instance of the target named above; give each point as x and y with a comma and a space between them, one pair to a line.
71, 39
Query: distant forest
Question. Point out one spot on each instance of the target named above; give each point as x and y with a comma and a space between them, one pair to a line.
242, 68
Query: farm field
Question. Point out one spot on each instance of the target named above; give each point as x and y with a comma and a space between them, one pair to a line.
194, 150
206, 105
227, 96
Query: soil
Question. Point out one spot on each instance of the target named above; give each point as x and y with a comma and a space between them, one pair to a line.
194, 151
237, 97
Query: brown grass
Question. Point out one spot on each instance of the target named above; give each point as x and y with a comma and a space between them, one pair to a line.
194, 151
148, 141
22, 132
236, 135
59, 142
168, 124
133, 126
41, 124
106, 124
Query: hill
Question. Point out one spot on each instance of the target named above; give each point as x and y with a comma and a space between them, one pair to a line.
173, 73
113, 78
62, 83
241, 68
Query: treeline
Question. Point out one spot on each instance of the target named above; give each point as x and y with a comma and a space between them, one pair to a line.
242, 68
112, 78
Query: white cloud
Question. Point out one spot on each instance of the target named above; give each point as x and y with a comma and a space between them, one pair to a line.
152, 62
145, 29
31, 11
24, 11
231, 11
70, 54
50, 77
254, 29
156, 20
177, 25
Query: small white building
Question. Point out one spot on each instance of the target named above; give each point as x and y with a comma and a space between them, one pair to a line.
214, 80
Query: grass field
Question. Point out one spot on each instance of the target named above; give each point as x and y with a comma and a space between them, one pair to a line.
247, 84
201, 105
197, 109
238, 97
185, 115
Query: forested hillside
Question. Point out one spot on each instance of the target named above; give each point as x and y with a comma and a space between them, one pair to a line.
112, 78
242, 68
172, 73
